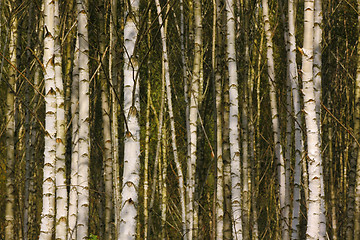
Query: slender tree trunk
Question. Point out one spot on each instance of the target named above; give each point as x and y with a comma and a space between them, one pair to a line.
73, 196
107, 149
219, 207
10, 131
131, 174
288, 135
84, 130
61, 188
318, 92
296, 101
28, 148
48, 211
256, 167
187, 107
107, 157
276, 123
114, 114
315, 209
234, 123
227, 162
194, 104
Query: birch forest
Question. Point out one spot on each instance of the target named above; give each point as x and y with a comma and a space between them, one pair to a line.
179, 119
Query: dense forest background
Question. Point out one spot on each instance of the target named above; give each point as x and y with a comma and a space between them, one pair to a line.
193, 119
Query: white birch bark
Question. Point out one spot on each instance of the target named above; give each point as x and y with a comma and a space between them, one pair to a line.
84, 131
73, 196
317, 57
61, 188
131, 174
114, 115
10, 133
279, 154
317, 89
216, 55
233, 122
227, 163
48, 210
314, 211
299, 147
107, 157
194, 97
288, 135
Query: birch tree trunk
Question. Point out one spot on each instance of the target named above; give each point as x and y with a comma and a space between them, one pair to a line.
107, 157
184, 74
299, 147
318, 92
227, 162
107, 149
114, 113
48, 210
234, 122
10, 131
315, 210
84, 130
288, 131
131, 174
219, 205
73, 194
194, 103
60, 175
187, 108
279, 154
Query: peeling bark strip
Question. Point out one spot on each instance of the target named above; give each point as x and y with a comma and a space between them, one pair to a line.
131, 174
